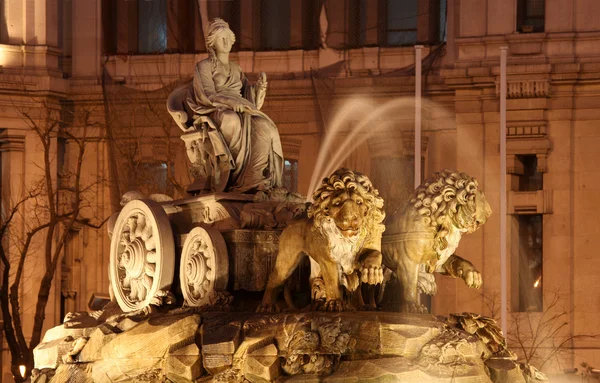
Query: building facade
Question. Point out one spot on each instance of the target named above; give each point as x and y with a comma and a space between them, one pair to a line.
330, 63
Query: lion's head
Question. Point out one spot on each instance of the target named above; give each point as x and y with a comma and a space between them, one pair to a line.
349, 200
451, 198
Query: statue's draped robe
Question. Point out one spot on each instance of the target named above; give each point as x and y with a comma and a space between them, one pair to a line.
246, 143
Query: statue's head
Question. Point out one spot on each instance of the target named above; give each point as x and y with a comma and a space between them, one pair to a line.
451, 198
217, 30
347, 200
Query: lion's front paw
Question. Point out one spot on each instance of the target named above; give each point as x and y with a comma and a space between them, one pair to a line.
468, 273
332, 305
371, 275
414, 308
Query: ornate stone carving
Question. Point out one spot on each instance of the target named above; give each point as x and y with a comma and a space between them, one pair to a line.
428, 230
526, 88
316, 346
485, 329
142, 256
272, 209
204, 267
252, 254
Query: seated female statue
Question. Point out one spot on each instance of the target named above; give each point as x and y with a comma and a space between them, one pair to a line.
245, 141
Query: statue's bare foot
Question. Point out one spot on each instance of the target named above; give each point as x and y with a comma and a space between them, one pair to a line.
331, 305
414, 308
268, 309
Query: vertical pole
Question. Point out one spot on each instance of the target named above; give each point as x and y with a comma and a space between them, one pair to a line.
503, 268
418, 49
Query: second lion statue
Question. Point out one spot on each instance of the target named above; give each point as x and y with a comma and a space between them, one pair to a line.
428, 229
342, 237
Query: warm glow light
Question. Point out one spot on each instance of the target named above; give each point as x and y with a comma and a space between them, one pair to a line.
537, 282
22, 370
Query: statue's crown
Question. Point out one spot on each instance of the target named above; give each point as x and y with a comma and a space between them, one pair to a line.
217, 23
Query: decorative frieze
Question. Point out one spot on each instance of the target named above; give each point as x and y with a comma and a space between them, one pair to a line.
526, 88
526, 131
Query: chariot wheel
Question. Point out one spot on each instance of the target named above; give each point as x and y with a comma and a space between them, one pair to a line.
204, 267
142, 255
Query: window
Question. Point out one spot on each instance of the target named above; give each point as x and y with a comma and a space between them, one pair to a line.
527, 270
61, 150
357, 32
311, 34
290, 175
530, 15
275, 24
152, 33
531, 179
443, 18
109, 26
401, 17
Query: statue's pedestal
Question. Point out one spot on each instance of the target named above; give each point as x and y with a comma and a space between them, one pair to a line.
309, 346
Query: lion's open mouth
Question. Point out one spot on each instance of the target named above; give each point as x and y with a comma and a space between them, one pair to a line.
348, 233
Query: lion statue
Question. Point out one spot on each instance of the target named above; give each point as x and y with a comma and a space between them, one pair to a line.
426, 232
342, 237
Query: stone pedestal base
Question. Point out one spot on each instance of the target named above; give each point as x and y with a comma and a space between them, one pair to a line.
186, 346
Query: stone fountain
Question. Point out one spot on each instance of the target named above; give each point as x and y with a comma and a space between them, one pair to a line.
195, 282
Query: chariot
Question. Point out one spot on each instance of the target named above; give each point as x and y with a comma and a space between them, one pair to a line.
189, 251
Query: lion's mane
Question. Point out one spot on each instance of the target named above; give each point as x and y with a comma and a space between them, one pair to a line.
447, 198
356, 183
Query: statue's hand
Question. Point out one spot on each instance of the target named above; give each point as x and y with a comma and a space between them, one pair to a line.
468, 273
237, 106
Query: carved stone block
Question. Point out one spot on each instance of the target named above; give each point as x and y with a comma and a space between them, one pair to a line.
99, 337
219, 343
72, 373
252, 256
261, 369
49, 354
184, 368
